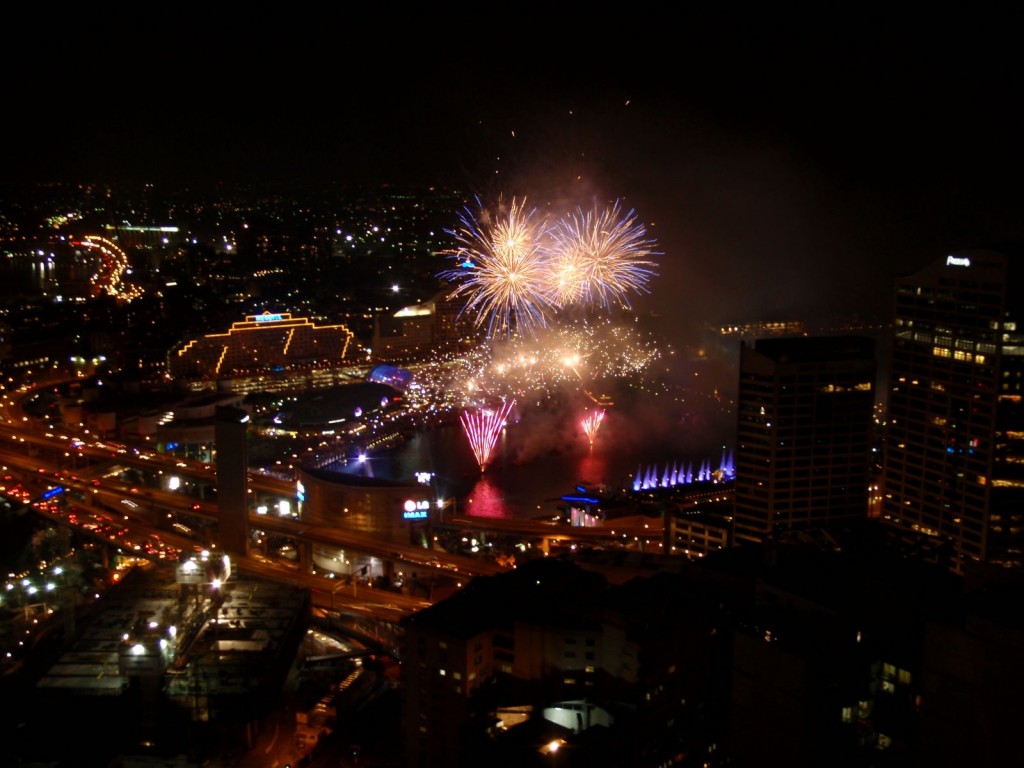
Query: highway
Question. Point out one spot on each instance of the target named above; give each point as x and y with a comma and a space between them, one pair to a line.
132, 518
90, 469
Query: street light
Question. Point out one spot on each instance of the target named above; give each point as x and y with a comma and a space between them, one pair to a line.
551, 748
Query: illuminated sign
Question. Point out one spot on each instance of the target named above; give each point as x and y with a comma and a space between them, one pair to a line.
423, 478
958, 261
53, 492
416, 510
300, 491
266, 317
581, 499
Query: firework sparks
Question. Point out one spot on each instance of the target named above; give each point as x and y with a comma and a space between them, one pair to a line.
590, 424
482, 428
600, 257
573, 355
503, 270
517, 270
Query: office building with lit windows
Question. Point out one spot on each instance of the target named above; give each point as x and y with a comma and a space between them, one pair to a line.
264, 342
954, 458
805, 412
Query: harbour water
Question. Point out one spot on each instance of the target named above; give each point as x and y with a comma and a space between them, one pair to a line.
51, 270
541, 456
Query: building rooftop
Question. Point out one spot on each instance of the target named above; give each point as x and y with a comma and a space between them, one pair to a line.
798, 349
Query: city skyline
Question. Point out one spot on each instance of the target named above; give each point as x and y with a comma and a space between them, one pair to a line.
783, 175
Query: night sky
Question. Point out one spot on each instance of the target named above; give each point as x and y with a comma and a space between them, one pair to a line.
784, 175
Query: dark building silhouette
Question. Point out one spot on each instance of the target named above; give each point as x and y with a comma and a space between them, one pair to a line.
232, 461
804, 417
852, 651
837, 646
954, 458
548, 663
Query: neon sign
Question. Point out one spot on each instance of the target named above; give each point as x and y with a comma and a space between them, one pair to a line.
958, 261
416, 510
266, 317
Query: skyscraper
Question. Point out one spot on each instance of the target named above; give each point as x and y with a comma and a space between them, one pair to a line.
805, 410
954, 459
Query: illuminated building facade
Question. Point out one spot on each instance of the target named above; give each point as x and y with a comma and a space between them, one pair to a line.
954, 459
432, 325
384, 509
805, 412
144, 237
261, 342
697, 535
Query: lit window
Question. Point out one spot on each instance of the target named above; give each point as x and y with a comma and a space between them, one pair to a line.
847, 714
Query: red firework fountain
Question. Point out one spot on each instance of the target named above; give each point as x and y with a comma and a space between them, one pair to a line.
482, 428
590, 424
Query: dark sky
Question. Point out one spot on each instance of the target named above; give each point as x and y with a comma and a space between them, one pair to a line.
783, 174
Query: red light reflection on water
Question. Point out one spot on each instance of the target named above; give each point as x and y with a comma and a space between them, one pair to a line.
593, 469
486, 500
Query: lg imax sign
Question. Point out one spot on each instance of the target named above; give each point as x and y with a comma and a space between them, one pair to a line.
416, 510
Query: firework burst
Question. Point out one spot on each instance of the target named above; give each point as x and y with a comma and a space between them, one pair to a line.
590, 424
517, 270
600, 257
503, 270
482, 428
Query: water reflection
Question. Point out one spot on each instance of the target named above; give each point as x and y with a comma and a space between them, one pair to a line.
56, 268
485, 500
524, 484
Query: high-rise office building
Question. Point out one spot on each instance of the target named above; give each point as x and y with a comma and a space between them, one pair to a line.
954, 459
804, 422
